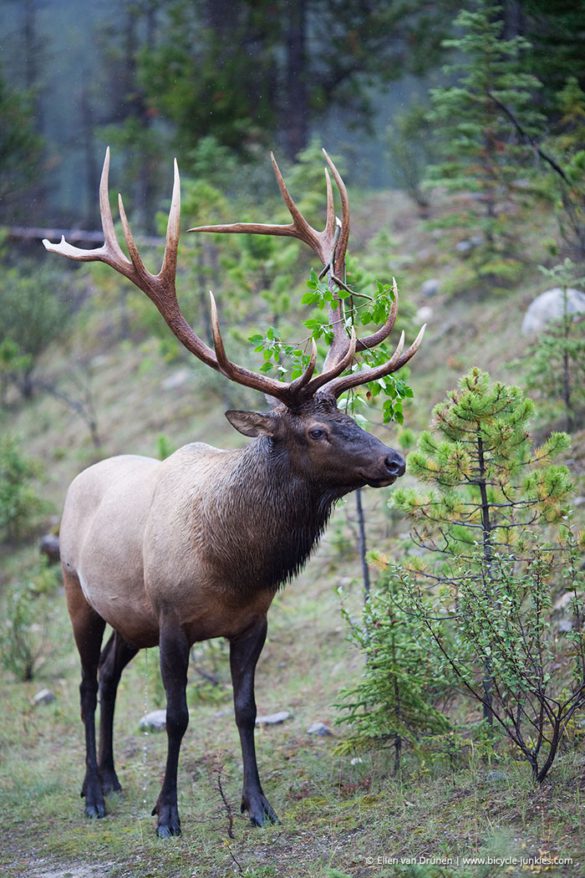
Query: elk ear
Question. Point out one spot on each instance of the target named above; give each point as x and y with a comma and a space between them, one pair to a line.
252, 423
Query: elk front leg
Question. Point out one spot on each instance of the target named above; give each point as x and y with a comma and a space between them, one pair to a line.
174, 662
244, 653
114, 658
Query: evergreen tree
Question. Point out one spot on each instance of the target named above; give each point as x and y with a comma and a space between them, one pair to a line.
394, 700
482, 160
492, 525
20, 154
569, 146
250, 72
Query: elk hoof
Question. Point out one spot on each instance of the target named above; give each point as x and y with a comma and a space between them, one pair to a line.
95, 812
95, 807
110, 783
260, 810
169, 823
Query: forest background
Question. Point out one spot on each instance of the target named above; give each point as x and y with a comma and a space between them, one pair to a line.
460, 131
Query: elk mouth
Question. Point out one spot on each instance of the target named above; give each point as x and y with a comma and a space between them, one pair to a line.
381, 483
391, 468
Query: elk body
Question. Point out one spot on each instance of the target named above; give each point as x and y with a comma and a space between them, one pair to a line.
196, 546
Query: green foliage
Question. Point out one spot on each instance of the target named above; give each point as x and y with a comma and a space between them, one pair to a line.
284, 66
411, 150
481, 158
555, 363
567, 146
164, 447
20, 153
394, 700
33, 315
493, 526
23, 631
20, 505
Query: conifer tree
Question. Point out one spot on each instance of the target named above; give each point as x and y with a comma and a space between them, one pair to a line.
483, 160
394, 700
492, 525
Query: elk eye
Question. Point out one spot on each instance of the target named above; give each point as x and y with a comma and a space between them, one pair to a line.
317, 433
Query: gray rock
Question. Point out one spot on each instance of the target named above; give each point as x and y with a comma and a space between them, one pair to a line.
565, 625
45, 696
550, 306
430, 287
176, 379
424, 314
49, 546
563, 601
319, 729
469, 244
155, 721
496, 776
273, 719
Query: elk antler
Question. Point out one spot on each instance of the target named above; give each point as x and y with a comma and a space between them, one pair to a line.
160, 288
330, 246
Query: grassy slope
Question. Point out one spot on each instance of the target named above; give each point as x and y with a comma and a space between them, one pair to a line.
335, 815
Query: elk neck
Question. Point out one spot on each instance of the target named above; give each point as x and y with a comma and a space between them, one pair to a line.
262, 519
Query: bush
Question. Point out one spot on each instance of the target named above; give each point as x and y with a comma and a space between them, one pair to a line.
23, 633
19, 503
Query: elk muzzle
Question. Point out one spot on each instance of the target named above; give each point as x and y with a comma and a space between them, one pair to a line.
390, 466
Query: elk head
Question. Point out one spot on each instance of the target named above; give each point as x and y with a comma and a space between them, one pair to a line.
328, 444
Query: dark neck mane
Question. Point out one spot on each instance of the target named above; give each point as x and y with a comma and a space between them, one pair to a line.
267, 519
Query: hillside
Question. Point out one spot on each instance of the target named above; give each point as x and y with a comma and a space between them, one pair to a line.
341, 815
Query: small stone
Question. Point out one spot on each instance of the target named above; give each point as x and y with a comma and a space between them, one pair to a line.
45, 696
430, 287
155, 721
578, 501
273, 719
356, 760
496, 776
466, 246
564, 600
565, 625
49, 546
319, 729
176, 379
424, 314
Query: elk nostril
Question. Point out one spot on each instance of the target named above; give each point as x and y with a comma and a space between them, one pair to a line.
395, 465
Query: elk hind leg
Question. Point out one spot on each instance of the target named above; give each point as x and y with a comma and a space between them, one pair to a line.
88, 630
245, 651
116, 654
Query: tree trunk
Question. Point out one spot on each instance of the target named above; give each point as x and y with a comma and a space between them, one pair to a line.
296, 109
486, 524
362, 545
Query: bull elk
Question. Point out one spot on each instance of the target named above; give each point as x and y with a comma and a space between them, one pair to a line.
196, 546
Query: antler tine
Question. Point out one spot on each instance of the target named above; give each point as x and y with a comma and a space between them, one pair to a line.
322, 243
341, 248
377, 337
169, 265
110, 251
372, 373
330, 224
329, 374
287, 392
